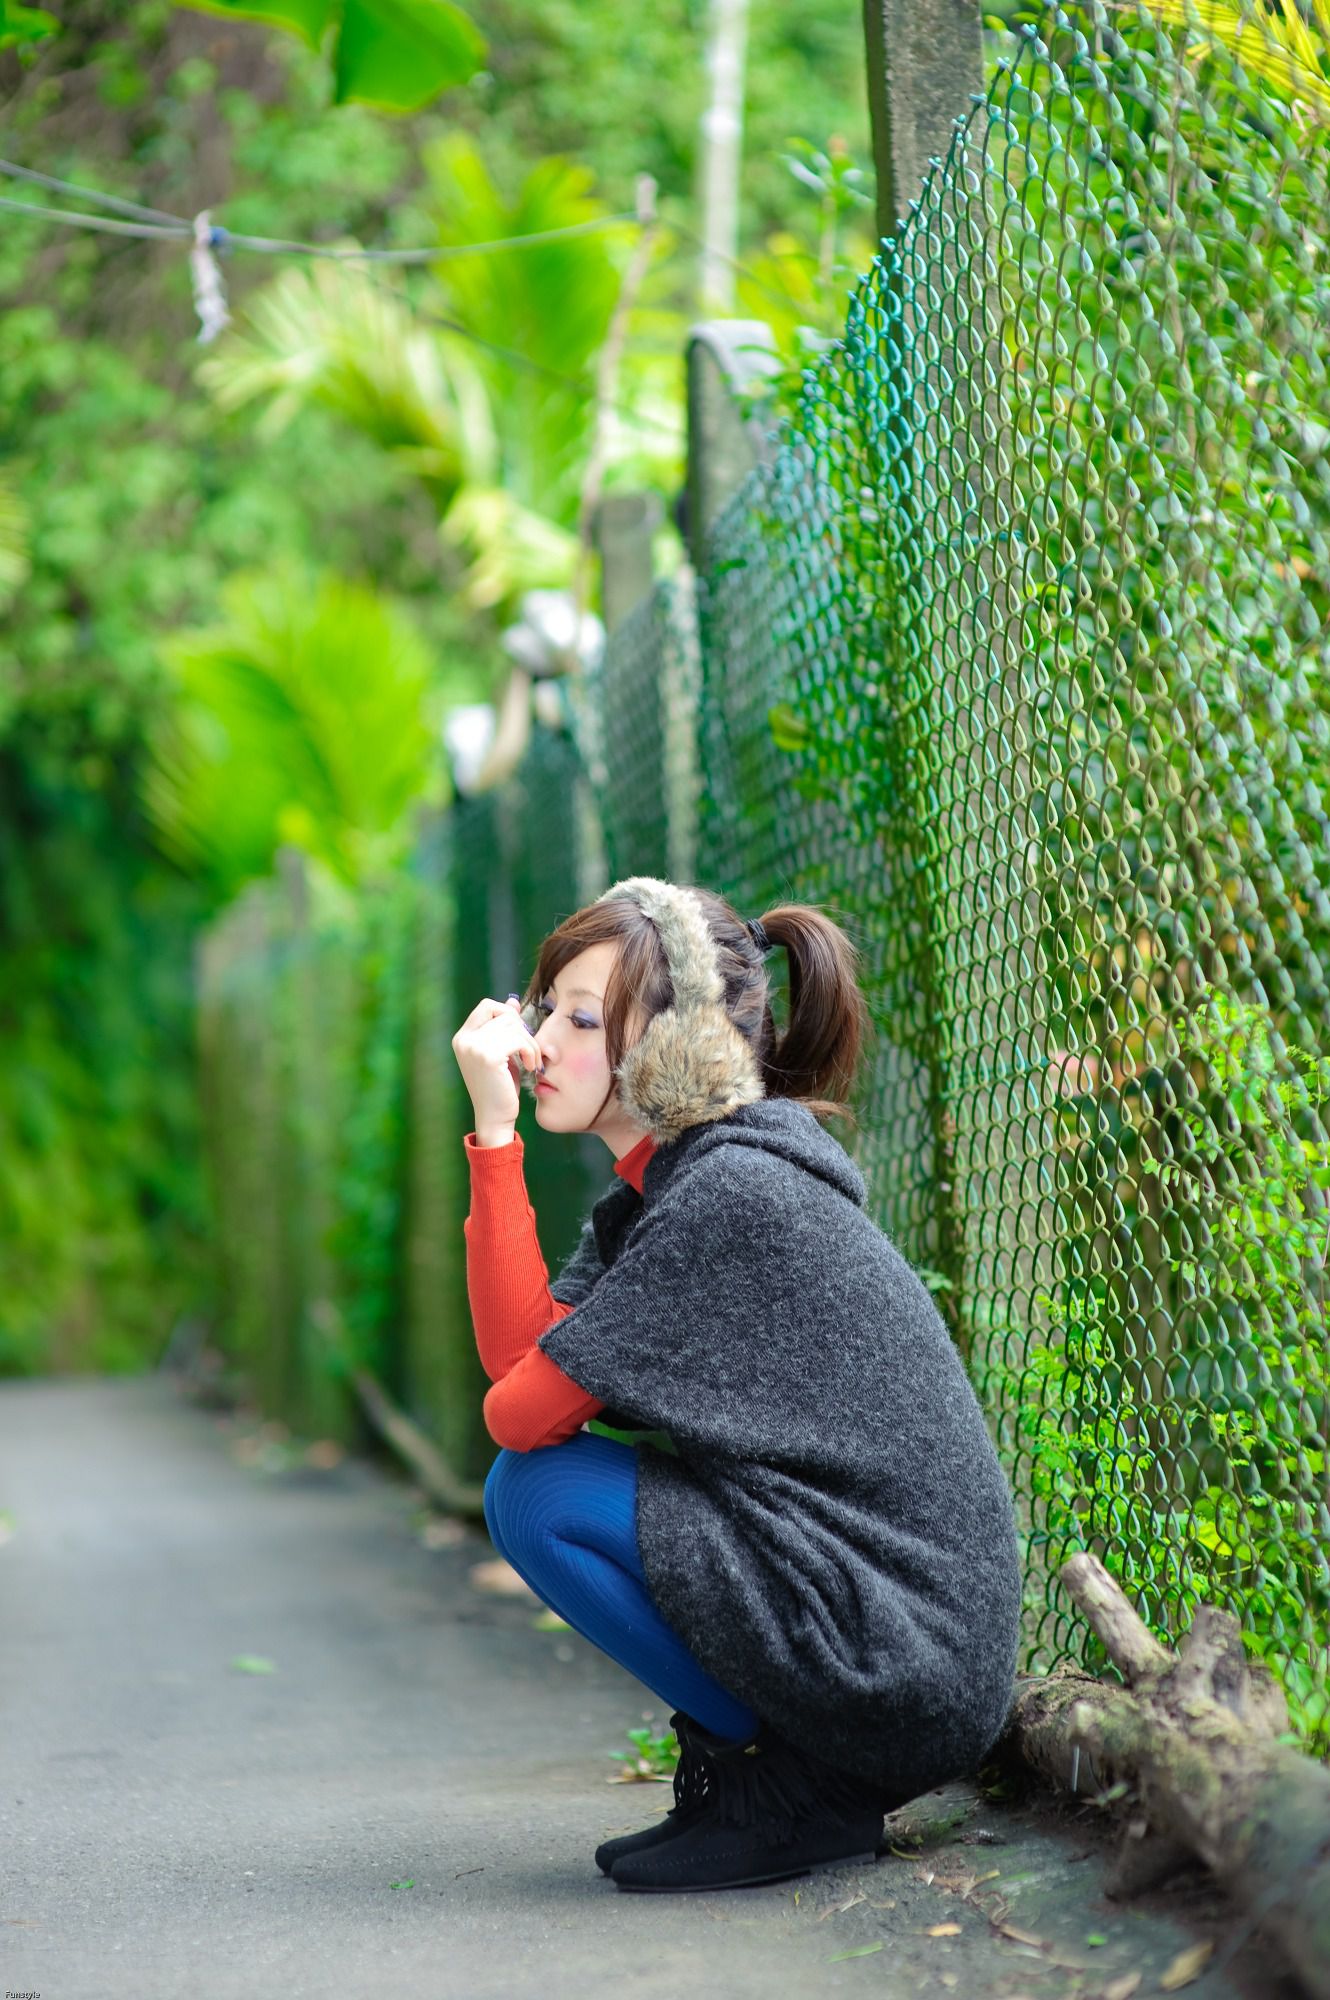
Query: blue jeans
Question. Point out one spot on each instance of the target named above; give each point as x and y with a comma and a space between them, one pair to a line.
565, 1517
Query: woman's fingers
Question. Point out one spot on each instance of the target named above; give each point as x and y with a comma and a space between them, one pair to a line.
485, 1010
494, 1031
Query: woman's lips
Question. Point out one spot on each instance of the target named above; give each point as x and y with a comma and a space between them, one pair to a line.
542, 1085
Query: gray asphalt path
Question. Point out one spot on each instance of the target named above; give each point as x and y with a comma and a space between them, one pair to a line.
173, 1828
170, 1826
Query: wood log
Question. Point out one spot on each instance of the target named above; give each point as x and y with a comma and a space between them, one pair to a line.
1191, 1736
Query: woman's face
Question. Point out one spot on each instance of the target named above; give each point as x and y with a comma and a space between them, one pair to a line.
571, 1039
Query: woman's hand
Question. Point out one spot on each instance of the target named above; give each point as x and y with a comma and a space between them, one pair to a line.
492, 1046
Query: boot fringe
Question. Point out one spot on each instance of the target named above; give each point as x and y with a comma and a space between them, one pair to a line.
766, 1784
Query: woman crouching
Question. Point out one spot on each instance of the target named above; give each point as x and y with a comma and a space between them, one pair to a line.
812, 1559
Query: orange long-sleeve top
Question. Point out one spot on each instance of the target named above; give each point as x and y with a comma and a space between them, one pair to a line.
532, 1402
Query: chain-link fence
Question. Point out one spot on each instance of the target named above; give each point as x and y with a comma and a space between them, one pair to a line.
1013, 655
1016, 659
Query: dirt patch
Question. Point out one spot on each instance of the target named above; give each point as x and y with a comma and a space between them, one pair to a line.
1005, 1899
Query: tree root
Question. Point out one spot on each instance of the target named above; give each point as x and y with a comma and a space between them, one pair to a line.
1191, 1740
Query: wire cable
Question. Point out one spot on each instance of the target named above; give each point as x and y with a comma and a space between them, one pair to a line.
177, 232
114, 201
225, 239
156, 222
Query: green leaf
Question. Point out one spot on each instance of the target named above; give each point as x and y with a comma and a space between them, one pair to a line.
24, 24
394, 54
398, 54
859, 1951
789, 731
306, 18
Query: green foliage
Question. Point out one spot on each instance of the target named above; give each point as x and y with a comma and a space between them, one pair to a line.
1252, 1160
301, 720
393, 54
495, 421
1273, 42
367, 1240
1200, 242
623, 90
129, 502
101, 1212
799, 281
1036, 598
126, 501
13, 541
304, 999
651, 1755
549, 304
332, 337
1206, 1485
24, 24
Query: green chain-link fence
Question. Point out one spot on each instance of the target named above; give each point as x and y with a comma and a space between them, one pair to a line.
1013, 654
1016, 657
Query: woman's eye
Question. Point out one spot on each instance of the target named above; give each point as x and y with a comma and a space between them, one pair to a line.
579, 1020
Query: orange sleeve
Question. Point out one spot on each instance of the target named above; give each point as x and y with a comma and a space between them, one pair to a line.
511, 1305
537, 1404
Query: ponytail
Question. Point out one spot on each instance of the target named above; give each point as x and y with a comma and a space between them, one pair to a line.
817, 1059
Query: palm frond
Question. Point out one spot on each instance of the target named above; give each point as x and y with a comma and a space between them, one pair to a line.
509, 548
547, 304
302, 717
1279, 48
334, 336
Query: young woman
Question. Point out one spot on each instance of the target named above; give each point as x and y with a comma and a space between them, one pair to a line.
808, 1549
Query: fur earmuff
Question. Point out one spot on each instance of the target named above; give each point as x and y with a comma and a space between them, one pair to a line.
691, 1064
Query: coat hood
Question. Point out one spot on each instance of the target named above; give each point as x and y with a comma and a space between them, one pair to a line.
779, 1125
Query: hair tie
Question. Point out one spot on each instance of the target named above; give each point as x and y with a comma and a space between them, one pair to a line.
756, 930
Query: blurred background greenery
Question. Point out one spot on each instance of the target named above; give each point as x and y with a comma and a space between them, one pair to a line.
200, 546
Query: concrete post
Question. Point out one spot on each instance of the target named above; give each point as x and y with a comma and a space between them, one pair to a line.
925, 61
725, 359
622, 527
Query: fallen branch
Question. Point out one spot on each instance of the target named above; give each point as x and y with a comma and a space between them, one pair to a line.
202, 1370
1191, 1739
440, 1483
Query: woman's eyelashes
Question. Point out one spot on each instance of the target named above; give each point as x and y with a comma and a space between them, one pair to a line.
579, 1020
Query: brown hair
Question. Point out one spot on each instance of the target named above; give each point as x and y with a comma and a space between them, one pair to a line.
817, 1057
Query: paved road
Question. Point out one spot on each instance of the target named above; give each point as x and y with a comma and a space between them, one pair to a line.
172, 1828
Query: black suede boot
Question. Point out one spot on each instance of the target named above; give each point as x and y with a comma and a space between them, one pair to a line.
692, 1793
773, 1811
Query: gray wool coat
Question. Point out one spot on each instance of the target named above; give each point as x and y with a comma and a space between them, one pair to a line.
833, 1536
